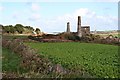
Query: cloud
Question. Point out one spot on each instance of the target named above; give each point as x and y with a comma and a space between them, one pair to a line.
104, 22
35, 14
34, 11
83, 12
88, 17
1, 8
35, 7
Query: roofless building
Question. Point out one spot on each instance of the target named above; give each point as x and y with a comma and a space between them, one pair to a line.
81, 30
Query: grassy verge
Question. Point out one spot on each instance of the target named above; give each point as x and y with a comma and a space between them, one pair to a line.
11, 62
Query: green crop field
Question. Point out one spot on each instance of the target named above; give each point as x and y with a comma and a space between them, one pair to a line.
98, 59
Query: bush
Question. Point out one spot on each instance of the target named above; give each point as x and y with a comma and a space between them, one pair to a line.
71, 37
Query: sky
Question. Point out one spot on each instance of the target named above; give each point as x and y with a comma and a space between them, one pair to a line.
52, 16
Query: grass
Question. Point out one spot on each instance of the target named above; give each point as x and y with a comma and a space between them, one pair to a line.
11, 66
11, 62
98, 59
119, 35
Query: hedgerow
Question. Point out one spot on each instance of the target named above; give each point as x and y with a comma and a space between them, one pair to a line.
38, 66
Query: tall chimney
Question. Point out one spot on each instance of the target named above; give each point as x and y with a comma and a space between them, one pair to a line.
68, 27
79, 32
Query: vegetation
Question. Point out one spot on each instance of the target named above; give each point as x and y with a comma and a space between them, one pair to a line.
71, 37
36, 65
11, 62
18, 61
10, 37
98, 59
18, 28
37, 30
76, 58
117, 34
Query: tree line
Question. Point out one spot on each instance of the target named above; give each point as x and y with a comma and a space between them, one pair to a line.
18, 28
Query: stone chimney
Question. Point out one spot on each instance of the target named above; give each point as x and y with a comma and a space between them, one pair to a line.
68, 27
79, 31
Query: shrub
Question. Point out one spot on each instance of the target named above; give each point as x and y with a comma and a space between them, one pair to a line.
71, 37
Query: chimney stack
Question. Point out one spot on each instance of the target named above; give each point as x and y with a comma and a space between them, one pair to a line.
79, 32
68, 27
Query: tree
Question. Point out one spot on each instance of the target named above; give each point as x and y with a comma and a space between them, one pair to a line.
6, 29
37, 30
12, 29
29, 28
19, 28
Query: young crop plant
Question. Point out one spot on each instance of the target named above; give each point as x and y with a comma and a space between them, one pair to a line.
99, 60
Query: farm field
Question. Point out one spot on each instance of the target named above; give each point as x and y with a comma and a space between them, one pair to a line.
99, 60
106, 35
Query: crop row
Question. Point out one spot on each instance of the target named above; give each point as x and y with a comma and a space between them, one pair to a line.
98, 59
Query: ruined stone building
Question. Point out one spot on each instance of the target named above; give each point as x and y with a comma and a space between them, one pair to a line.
81, 30
85, 30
